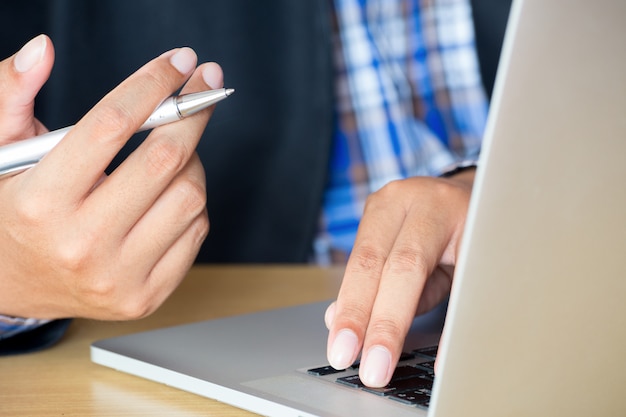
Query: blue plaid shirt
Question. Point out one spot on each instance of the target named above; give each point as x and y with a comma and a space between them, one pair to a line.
410, 101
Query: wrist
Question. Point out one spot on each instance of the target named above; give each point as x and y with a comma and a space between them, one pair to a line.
463, 172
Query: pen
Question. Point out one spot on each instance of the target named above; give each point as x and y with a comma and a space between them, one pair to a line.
19, 156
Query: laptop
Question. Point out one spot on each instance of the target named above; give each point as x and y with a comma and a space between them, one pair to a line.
536, 320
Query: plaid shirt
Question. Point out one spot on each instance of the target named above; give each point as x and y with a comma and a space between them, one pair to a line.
410, 101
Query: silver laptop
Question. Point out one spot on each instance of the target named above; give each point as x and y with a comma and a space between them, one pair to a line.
536, 322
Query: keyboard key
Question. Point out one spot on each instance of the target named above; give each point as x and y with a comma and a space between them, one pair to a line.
404, 356
352, 381
403, 372
324, 370
417, 397
429, 352
428, 367
402, 385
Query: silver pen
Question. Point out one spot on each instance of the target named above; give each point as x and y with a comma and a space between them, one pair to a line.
19, 156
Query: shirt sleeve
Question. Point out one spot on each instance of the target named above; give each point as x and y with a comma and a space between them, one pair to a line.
10, 326
458, 167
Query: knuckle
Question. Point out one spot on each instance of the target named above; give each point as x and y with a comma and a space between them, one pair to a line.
407, 260
151, 81
367, 258
202, 227
356, 314
392, 187
387, 329
391, 195
373, 201
191, 196
387, 192
105, 296
135, 308
30, 210
114, 118
98, 291
95, 294
164, 157
74, 256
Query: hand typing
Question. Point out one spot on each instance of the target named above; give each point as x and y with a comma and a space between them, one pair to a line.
401, 265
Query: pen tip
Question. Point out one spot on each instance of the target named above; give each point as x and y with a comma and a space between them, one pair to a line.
229, 91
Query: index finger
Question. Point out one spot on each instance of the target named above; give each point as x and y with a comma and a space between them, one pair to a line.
375, 238
76, 164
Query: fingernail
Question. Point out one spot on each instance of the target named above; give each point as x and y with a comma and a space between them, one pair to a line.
212, 75
375, 367
343, 350
184, 60
30, 54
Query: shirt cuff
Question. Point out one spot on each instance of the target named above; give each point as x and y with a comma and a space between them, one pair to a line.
10, 326
457, 167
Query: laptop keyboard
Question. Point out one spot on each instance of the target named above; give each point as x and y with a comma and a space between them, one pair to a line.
411, 383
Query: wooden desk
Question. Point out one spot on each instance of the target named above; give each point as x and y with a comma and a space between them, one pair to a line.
62, 381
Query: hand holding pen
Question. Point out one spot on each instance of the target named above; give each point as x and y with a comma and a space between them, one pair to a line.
76, 243
19, 156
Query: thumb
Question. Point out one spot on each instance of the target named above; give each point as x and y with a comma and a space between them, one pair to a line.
21, 77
